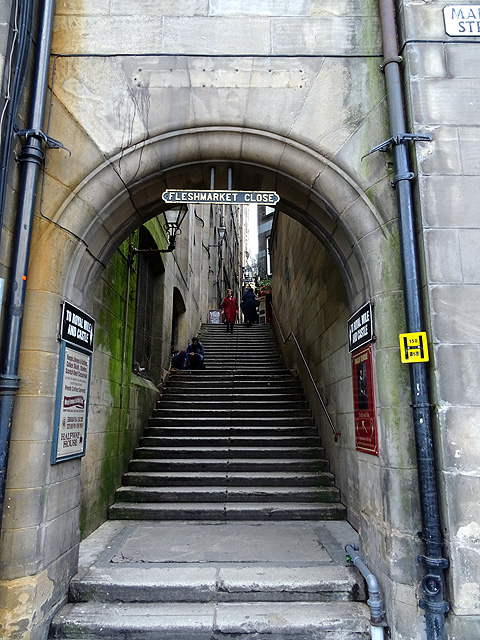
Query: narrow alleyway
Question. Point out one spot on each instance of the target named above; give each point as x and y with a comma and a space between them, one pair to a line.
228, 523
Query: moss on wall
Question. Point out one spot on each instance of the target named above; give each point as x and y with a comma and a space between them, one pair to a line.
116, 413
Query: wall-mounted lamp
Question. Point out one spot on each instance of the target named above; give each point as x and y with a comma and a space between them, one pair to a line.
221, 231
173, 221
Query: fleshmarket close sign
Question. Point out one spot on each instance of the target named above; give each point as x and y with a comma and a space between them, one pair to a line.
462, 19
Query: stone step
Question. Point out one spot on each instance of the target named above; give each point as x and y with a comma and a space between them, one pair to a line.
228, 453
230, 441
229, 478
225, 387
247, 376
239, 465
225, 512
192, 412
254, 422
207, 402
233, 396
230, 430
227, 494
120, 583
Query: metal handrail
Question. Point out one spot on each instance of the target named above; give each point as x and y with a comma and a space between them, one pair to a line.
285, 340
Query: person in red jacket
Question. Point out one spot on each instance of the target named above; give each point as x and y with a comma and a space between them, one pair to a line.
229, 310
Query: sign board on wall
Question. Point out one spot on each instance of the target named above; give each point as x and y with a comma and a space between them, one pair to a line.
73, 385
366, 436
76, 327
360, 327
205, 196
72, 404
214, 316
462, 20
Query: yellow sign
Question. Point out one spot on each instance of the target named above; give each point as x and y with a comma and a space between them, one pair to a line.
413, 347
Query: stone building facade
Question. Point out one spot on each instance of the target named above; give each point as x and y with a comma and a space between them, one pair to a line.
284, 96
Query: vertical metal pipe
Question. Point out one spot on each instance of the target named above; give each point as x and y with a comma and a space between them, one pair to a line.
433, 583
32, 157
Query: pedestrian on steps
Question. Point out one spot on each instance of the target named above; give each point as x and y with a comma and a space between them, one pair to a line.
229, 310
195, 354
249, 306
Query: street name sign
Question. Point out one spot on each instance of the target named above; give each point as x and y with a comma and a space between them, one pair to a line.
414, 347
213, 196
462, 19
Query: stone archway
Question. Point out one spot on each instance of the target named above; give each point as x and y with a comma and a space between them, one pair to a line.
125, 191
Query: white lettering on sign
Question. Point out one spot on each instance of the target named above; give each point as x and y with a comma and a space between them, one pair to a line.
221, 197
360, 330
462, 19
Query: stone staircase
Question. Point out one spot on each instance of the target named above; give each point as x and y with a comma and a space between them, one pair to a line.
228, 523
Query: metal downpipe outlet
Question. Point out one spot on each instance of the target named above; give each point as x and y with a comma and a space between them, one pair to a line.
375, 602
433, 583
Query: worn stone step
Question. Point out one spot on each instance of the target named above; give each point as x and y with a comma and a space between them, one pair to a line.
228, 453
228, 478
230, 412
226, 403
227, 494
120, 583
168, 430
218, 390
228, 511
235, 373
230, 441
240, 464
230, 395
255, 421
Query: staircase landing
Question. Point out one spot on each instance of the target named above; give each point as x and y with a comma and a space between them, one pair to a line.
204, 580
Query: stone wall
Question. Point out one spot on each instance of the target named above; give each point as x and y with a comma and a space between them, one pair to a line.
442, 89
380, 493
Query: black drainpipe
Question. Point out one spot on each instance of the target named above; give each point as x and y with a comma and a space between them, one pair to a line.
433, 583
32, 157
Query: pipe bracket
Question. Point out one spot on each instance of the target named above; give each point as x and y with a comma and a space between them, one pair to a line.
391, 59
37, 133
409, 175
433, 563
399, 138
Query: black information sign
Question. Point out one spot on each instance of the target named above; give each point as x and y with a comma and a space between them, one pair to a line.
360, 327
77, 327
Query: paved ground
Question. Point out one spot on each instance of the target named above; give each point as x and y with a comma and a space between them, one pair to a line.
220, 550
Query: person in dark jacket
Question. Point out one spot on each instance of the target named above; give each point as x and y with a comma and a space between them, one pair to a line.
229, 310
195, 354
249, 306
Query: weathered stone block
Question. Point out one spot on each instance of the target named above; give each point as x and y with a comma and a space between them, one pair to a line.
453, 320
443, 258
23, 508
469, 241
459, 380
426, 60
20, 553
460, 448
62, 497
441, 156
60, 535
452, 201
452, 102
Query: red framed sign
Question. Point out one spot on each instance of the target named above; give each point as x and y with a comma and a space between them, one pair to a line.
366, 435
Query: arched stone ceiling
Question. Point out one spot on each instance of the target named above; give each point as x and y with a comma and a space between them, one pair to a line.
126, 191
